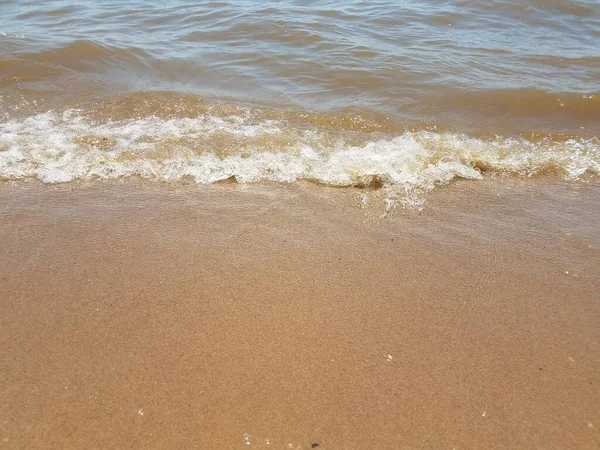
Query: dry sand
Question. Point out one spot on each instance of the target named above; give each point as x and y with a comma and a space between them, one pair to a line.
138, 315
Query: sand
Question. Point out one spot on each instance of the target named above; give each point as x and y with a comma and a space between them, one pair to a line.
141, 315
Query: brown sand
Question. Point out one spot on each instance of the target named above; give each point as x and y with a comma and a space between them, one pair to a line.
136, 315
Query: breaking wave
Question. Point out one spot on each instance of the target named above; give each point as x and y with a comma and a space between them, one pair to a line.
246, 145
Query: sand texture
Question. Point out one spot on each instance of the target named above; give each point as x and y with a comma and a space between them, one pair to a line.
140, 315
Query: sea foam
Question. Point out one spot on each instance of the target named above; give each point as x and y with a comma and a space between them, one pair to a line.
58, 147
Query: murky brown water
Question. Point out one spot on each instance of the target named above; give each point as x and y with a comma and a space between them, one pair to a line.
413, 93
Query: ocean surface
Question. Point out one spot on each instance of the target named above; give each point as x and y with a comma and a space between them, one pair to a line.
405, 95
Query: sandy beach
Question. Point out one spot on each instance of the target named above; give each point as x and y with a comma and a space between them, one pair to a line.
141, 315
300, 225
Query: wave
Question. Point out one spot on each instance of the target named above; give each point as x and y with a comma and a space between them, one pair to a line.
526, 103
77, 57
248, 145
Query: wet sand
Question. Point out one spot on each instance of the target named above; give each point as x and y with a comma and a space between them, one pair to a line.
139, 315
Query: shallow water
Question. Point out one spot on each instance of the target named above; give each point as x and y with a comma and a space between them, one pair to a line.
409, 94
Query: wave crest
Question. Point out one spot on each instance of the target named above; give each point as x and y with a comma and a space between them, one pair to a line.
59, 147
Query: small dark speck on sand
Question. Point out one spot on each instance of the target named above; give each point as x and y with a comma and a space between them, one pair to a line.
315, 445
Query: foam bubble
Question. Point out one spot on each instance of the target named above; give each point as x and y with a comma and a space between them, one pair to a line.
58, 147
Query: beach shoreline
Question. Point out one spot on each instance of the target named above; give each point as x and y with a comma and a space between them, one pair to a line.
150, 315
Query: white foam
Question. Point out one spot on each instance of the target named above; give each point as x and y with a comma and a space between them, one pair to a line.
62, 147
